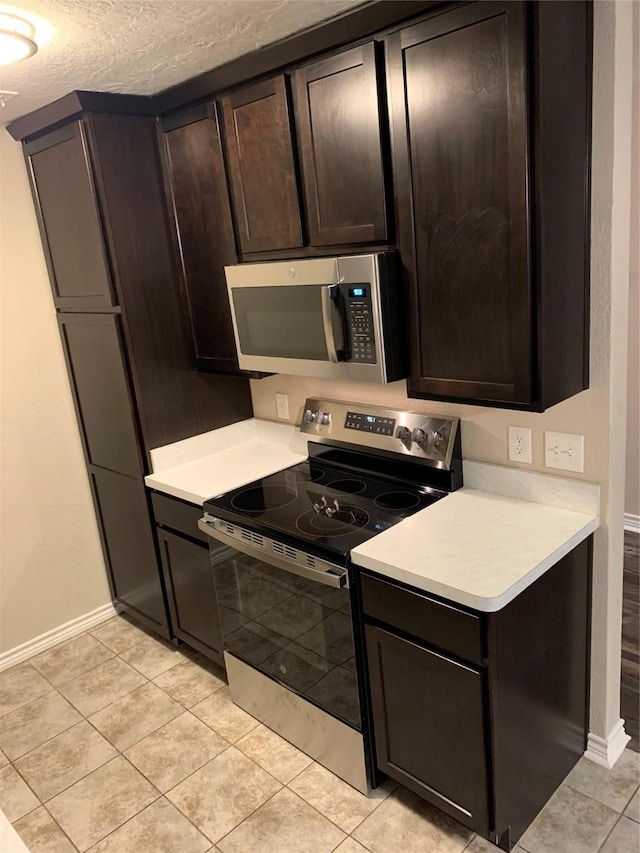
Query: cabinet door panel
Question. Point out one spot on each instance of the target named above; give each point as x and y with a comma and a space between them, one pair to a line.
95, 359
429, 725
262, 171
69, 218
458, 111
129, 547
203, 220
191, 593
337, 108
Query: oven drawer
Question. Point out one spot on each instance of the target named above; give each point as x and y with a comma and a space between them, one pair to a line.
415, 613
178, 515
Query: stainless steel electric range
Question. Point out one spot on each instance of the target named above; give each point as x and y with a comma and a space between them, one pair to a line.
288, 592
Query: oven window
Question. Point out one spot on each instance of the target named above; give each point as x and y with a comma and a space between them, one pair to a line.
295, 630
281, 322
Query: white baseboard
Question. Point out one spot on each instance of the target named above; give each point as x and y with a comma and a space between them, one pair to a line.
632, 522
606, 751
57, 635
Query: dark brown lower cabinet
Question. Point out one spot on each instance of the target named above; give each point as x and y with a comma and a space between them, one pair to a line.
487, 738
188, 579
127, 538
429, 712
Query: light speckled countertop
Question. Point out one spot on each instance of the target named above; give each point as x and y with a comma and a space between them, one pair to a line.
480, 546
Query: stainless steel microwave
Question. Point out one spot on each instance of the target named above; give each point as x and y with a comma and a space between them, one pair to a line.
335, 318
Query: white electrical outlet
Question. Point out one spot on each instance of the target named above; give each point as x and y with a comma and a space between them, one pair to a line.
282, 406
520, 444
564, 450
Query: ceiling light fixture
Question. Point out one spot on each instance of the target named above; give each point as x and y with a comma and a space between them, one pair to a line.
16, 39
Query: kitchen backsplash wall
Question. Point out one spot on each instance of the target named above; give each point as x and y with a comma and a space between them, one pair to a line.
484, 430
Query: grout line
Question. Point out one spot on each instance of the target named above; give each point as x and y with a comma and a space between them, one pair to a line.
593, 799
608, 836
66, 835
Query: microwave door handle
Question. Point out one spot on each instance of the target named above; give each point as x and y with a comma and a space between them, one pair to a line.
328, 294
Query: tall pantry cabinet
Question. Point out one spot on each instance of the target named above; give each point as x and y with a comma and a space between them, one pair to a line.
112, 265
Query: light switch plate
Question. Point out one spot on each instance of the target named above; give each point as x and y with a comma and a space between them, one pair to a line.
564, 450
520, 444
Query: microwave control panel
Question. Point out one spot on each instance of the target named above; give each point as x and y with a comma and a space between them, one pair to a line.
360, 320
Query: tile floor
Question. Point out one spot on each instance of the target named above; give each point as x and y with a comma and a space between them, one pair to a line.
115, 742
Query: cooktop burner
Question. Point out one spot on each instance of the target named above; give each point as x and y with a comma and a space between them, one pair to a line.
263, 498
320, 507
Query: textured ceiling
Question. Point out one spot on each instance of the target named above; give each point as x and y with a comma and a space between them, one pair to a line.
145, 46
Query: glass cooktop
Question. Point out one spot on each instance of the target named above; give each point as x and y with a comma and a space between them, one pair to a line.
322, 509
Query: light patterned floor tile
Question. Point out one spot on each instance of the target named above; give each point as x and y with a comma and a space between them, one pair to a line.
16, 798
190, 683
274, 754
175, 751
3, 759
64, 759
20, 685
405, 822
118, 634
101, 802
160, 828
570, 822
223, 793
338, 801
102, 686
633, 809
481, 845
69, 660
33, 724
350, 845
625, 837
285, 822
152, 657
41, 833
136, 715
219, 712
612, 787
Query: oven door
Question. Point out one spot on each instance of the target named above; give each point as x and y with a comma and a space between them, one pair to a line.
287, 614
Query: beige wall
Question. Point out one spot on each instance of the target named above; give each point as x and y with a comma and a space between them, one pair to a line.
51, 564
632, 489
595, 411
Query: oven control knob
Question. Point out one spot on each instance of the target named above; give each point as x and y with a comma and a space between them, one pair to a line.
419, 436
404, 434
309, 417
322, 418
436, 438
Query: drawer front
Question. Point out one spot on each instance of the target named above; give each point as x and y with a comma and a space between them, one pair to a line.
434, 622
178, 515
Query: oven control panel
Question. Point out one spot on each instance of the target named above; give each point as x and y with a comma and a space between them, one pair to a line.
430, 438
360, 319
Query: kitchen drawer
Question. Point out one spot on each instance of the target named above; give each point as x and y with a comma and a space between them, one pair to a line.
178, 515
435, 622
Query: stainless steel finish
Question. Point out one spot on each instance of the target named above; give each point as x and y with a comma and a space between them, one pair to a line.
275, 553
437, 434
327, 302
356, 269
329, 741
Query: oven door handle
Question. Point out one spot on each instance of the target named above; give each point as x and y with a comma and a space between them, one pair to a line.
330, 575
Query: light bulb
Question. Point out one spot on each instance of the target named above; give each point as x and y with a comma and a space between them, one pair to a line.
16, 39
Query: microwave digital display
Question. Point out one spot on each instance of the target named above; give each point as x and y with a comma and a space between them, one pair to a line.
357, 291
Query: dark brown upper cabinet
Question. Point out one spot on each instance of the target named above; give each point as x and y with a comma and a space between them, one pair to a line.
261, 167
490, 120
339, 137
69, 218
197, 184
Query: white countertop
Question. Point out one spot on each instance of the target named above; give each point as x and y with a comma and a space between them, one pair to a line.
215, 462
479, 546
